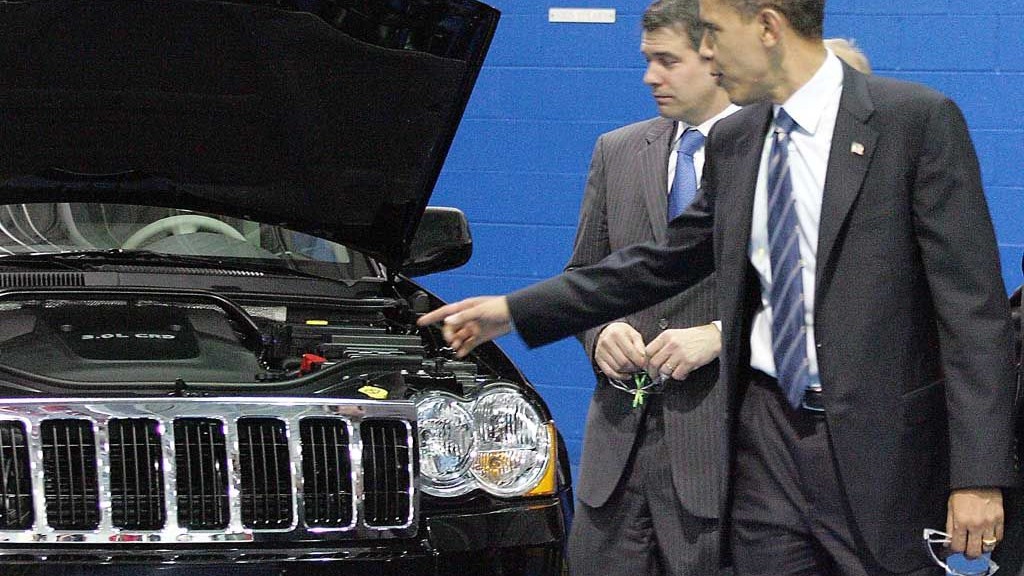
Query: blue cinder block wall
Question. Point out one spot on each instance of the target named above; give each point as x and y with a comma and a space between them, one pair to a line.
519, 162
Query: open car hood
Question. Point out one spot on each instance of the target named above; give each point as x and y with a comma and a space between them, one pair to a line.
330, 117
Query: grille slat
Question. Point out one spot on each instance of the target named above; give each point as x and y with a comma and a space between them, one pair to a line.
136, 474
326, 472
201, 460
69, 463
386, 478
15, 478
266, 473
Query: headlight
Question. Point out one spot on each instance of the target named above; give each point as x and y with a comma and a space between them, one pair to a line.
496, 440
511, 449
446, 438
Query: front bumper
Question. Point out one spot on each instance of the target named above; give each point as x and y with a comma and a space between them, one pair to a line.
522, 539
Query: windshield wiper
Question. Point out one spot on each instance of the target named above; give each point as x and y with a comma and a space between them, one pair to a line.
34, 261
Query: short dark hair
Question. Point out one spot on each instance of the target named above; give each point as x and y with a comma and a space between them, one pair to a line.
680, 14
807, 17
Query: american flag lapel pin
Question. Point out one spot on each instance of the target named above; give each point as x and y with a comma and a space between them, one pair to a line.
857, 148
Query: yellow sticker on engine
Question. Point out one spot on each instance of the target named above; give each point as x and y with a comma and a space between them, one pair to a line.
374, 392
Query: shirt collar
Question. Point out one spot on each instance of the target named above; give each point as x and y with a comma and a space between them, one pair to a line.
704, 127
804, 106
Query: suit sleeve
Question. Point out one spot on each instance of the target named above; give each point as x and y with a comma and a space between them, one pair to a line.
592, 242
628, 280
958, 248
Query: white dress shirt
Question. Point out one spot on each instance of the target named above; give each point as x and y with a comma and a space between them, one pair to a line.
814, 107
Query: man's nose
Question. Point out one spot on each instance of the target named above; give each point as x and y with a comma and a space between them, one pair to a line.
705, 50
650, 77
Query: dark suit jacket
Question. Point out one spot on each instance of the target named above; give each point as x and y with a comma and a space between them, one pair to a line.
625, 203
911, 318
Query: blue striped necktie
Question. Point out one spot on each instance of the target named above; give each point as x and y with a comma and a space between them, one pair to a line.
789, 335
684, 186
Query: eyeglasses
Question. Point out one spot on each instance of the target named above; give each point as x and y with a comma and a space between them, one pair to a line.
956, 563
642, 385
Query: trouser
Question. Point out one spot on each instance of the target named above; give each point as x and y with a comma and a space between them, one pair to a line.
643, 529
790, 514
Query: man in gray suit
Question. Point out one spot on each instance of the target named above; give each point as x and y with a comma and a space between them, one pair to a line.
649, 474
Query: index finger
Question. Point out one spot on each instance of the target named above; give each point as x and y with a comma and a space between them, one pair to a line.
634, 350
443, 312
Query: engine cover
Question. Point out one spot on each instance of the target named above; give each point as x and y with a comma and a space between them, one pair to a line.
125, 341
118, 333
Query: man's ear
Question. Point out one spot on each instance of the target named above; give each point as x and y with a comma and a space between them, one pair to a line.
770, 23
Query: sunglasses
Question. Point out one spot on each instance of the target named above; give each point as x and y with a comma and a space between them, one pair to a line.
956, 563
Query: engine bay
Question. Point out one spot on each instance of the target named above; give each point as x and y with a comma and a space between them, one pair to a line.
193, 339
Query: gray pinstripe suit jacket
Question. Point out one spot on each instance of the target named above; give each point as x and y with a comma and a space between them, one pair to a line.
625, 203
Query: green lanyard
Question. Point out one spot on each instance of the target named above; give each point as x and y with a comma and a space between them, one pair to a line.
642, 387
642, 382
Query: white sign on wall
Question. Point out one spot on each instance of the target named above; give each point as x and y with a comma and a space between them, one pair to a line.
582, 15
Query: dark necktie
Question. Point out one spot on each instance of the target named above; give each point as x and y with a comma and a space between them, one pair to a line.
789, 337
684, 186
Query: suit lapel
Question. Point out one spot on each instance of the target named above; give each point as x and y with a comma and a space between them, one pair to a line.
652, 173
736, 206
853, 144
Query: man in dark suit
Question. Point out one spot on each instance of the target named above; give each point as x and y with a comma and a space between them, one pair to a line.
896, 414
649, 478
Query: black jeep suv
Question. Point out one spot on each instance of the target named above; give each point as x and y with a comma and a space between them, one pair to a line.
209, 363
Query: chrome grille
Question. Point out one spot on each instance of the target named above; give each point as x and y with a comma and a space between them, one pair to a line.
183, 471
386, 458
69, 471
136, 474
266, 473
327, 473
202, 465
15, 478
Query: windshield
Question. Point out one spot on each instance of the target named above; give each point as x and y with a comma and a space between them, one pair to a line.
61, 228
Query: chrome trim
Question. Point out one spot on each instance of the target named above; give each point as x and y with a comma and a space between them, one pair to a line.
355, 458
52, 554
410, 468
32, 412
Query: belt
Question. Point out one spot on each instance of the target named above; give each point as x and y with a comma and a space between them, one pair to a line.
813, 402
